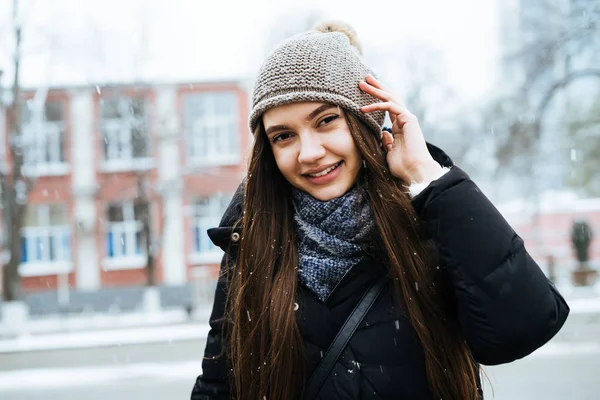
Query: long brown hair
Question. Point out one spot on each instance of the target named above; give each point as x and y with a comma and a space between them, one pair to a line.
265, 344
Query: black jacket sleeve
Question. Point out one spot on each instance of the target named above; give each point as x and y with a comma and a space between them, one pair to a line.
214, 383
506, 307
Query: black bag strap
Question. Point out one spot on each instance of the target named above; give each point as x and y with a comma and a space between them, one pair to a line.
343, 337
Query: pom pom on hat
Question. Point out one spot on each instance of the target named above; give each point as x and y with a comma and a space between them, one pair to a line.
343, 27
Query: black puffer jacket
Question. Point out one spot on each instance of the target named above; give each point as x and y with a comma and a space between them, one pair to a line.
505, 305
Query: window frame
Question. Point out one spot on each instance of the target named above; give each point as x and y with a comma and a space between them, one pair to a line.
200, 222
121, 151
62, 244
46, 138
203, 149
128, 229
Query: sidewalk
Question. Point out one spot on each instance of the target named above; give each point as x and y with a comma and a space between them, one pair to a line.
76, 332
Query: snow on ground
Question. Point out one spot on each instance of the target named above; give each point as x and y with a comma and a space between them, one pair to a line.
54, 323
101, 338
585, 306
54, 378
558, 349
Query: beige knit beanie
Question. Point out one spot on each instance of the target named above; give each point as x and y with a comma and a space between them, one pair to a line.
321, 65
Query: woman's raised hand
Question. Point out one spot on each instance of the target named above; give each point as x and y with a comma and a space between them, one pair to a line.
407, 154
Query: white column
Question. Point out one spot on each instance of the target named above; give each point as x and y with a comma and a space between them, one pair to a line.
170, 183
83, 169
174, 266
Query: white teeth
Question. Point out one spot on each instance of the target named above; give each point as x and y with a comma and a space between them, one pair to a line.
324, 172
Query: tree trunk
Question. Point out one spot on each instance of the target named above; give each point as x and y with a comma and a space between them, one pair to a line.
11, 281
150, 264
16, 188
146, 220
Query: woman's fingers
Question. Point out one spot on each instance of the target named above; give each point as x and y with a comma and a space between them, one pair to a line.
380, 94
389, 106
373, 87
371, 80
388, 140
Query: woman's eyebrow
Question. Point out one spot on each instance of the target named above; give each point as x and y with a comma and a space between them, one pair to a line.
318, 111
275, 128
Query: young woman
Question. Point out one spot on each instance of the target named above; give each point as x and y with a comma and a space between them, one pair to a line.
332, 203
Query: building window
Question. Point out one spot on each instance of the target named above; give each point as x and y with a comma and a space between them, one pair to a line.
44, 139
206, 214
45, 240
211, 128
125, 241
124, 126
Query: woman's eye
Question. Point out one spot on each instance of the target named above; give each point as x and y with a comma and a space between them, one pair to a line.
280, 136
328, 119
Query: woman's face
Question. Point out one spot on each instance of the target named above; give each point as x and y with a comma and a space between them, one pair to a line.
313, 148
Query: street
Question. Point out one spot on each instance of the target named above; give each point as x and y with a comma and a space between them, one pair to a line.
561, 370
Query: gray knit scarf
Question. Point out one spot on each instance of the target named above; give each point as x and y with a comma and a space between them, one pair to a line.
333, 236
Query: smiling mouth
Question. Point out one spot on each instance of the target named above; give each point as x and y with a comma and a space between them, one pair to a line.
325, 171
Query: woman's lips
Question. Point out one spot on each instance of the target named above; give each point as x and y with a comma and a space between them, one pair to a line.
327, 178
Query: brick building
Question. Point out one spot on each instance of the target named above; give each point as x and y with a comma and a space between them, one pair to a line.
103, 156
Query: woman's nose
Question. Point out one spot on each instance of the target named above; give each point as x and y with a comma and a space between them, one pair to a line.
311, 150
